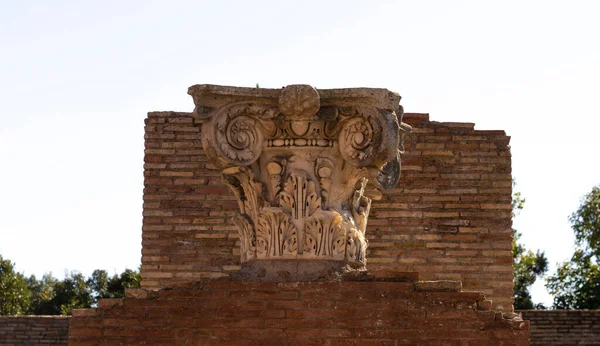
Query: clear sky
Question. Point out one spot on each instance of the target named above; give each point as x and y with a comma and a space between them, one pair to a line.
77, 78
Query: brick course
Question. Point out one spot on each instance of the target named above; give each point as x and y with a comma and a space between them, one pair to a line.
449, 218
548, 327
34, 330
564, 327
224, 312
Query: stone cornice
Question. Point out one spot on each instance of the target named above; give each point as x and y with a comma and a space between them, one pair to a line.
210, 95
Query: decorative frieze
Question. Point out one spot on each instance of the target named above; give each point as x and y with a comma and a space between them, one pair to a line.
303, 163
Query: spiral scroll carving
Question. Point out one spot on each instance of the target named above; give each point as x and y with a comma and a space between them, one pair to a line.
239, 140
359, 141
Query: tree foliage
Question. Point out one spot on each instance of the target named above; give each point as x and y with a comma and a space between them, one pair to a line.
576, 283
586, 224
14, 295
527, 266
42, 293
71, 293
50, 296
112, 287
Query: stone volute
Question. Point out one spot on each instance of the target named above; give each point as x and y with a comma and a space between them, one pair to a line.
304, 165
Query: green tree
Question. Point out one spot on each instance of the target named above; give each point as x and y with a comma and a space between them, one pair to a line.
53, 297
127, 279
42, 293
71, 293
527, 266
576, 283
104, 286
14, 295
98, 282
49, 296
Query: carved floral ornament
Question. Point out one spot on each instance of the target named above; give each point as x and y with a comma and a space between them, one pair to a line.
303, 163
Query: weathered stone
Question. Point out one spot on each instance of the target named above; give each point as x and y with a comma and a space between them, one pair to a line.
304, 165
484, 305
136, 293
108, 302
438, 286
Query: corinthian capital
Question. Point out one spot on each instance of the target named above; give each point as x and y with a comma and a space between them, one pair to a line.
303, 163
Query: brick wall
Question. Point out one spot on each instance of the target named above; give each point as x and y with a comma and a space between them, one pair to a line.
34, 330
227, 312
564, 327
449, 217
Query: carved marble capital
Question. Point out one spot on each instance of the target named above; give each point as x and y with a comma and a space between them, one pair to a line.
303, 163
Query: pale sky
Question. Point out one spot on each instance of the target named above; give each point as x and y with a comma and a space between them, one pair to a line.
78, 77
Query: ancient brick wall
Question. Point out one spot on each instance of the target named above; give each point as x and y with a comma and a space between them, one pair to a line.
292, 313
34, 330
564, 327
448, 218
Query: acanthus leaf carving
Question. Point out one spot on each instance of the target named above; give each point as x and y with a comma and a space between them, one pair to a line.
325, 235
299, 197
247, 237
276, 236
241, 181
